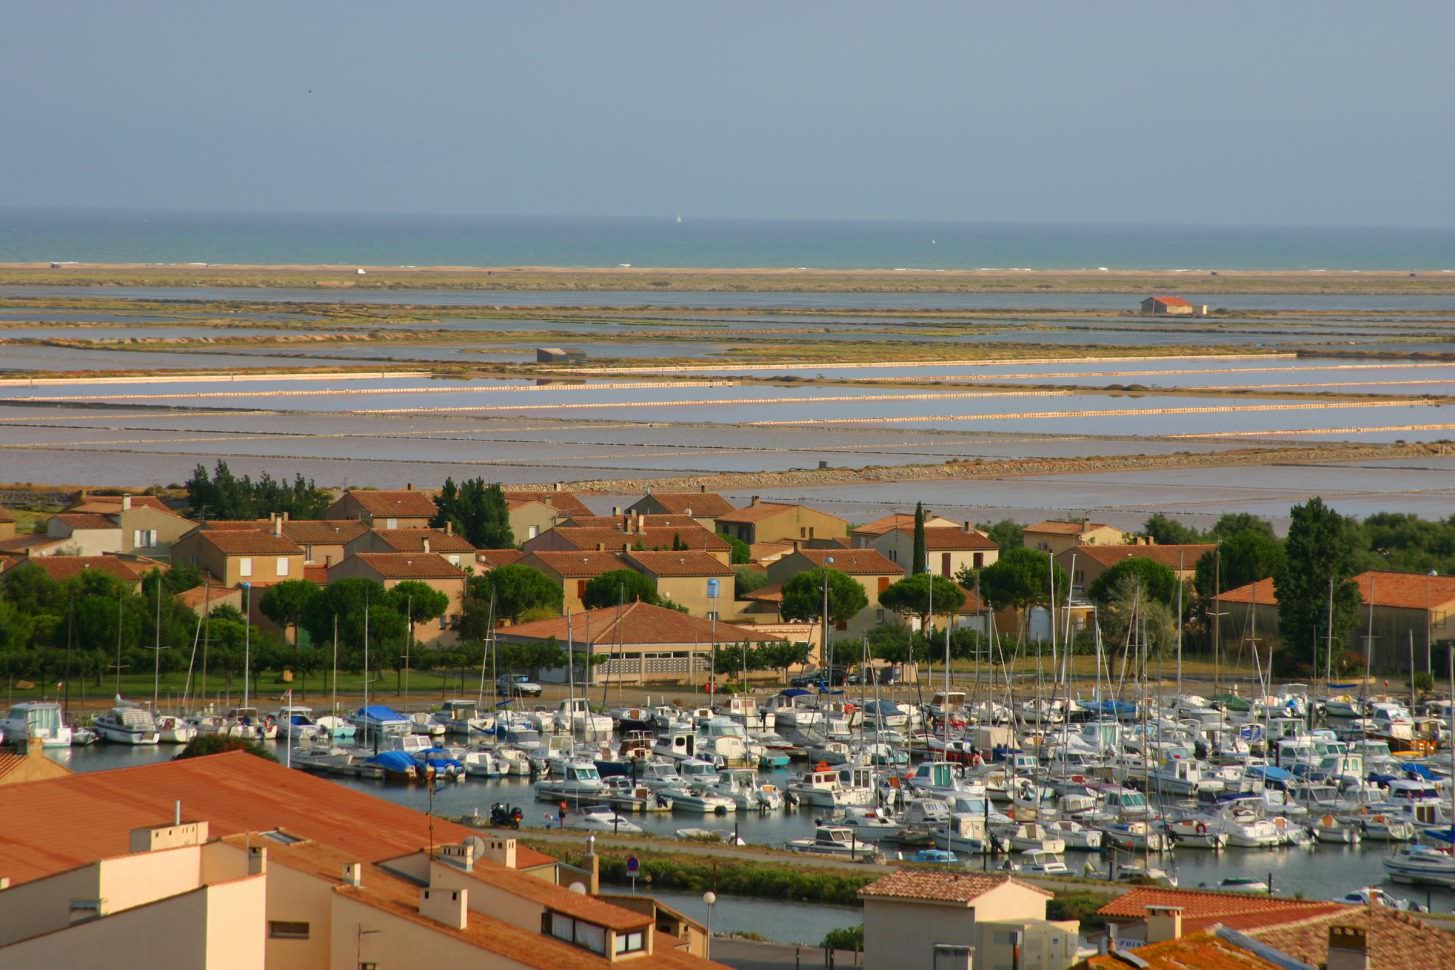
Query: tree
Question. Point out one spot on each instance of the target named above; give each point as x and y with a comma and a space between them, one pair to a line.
1007, 535
746, 579
918, 565
803, 596
206, 744
1322, 548
1234, 522
477, 511
417, 602
619, 586
1246, 557
782, 655
917, 595
1022, 578
222, 495
1156, 581
517, 590
1169, 532
1128, 610
742, 553
285, 603
346, 601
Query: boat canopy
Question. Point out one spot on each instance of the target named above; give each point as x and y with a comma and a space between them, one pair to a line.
378, 712
400, 761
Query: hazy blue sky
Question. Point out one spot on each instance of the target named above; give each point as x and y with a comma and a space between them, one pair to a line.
1168, 112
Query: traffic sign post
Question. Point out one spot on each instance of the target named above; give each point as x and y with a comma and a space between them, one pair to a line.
631, 870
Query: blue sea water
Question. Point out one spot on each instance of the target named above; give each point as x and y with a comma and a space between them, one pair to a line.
38, 235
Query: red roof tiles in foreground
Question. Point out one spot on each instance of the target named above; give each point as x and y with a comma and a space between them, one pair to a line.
1395, 941
1405, 591
67, 822
1239, 911
1199, 951
939, 887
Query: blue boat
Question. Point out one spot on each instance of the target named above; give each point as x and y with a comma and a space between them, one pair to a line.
376, 720
395, 766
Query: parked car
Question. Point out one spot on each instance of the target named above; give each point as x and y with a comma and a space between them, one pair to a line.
833, 676
517, 685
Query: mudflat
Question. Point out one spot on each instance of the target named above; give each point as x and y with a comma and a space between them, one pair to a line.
678, 279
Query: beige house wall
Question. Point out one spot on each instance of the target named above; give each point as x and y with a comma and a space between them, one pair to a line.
135, 880
797, 522
43, 905
530, 519
691, 592
85, 542
1059, 542
1044, 945
169, 528
363, 934
866, 619
904, 934
346, 506
193, 551
898, 548
488, 899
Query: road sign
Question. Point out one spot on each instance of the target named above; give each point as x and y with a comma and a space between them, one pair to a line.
631, 864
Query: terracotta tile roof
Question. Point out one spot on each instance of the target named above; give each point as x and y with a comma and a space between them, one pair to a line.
407, 503
855, 562
1170, 301
593, 522
209, 595
491, 558
236, 525
62, 568
769, 550
772, 593
1169, 555
1198, 951
1405, 591
762, 511
576, 564
111, 504
639, 624
86, 520
1201, 909
564, 502
63, 823
1395, 940
412, 540
903, 520
702, 505
316, 572
1057, 527
687, 563
954, 540
407, 565
232, 542
939, 887
37, 542
321, 532
691, 535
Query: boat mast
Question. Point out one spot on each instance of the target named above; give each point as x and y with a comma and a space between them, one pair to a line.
1180, 565
157, 655
335, 665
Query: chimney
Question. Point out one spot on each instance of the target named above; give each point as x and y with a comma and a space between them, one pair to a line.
409, 486
354, 874
1111, 937
969, 526
702, 489
616, 511
460, 856
601, 547
1348, 949
753, 501
425, 542
555, 486
501, 852
126, 503
593, 867
277, 525
447, 906
649, 490
1164, 923
257, 860
449, 527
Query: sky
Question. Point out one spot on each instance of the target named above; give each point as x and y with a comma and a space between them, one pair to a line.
1293, 113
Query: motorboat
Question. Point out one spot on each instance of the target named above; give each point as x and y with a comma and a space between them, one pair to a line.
1328, 828
750, 795
1074, 834
574, 716
1382, 828
626, 796
1374, 896
422, 722
483, 764
398, 767
871, 825
250, 724
1421, 864
835, 840
461, 718
1194, 833
725, 741
376, 720
37, 719
1134, 835
174, 729
126, 724
600, 818
1033, 837
1039, 862
694, 798
826, 789
1243, 884
576, 780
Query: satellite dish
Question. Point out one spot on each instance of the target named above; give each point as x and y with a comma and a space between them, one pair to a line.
476, 843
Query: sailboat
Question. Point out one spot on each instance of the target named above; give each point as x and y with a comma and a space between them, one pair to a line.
1423, 863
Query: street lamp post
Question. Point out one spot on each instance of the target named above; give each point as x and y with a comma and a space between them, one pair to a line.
825, 651
710, 898
247, 638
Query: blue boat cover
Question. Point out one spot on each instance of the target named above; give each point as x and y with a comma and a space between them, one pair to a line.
1422, 772
400, 761
378, 712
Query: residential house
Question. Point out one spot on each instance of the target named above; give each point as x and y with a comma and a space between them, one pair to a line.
573, 569
862, 536
703, 506
535, 511
33, 545
242, 555
233, 862
1408, 609
697, 581
443, 542
488, 559
148, 525
1056, 536
85, 533
1085, 564
1163, 929
947, 550
323, 541
392, 568
61, 569
680, 537
870, 567
919, 918
1167, 306
763, 521
642, 643
396, 509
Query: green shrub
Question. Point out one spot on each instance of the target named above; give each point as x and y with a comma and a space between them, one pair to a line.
847, 938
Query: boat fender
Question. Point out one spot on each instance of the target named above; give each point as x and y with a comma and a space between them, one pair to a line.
1201, 828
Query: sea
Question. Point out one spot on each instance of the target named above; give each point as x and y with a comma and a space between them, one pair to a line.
28, 235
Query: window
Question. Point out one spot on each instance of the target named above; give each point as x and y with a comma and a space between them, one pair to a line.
894, 555
454, 560
978, 561
286, 930
245, 566
580, 588
282, 565
631, 942
391, 523
945, 564
533, 531
883, 583
586, 935
143, 538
